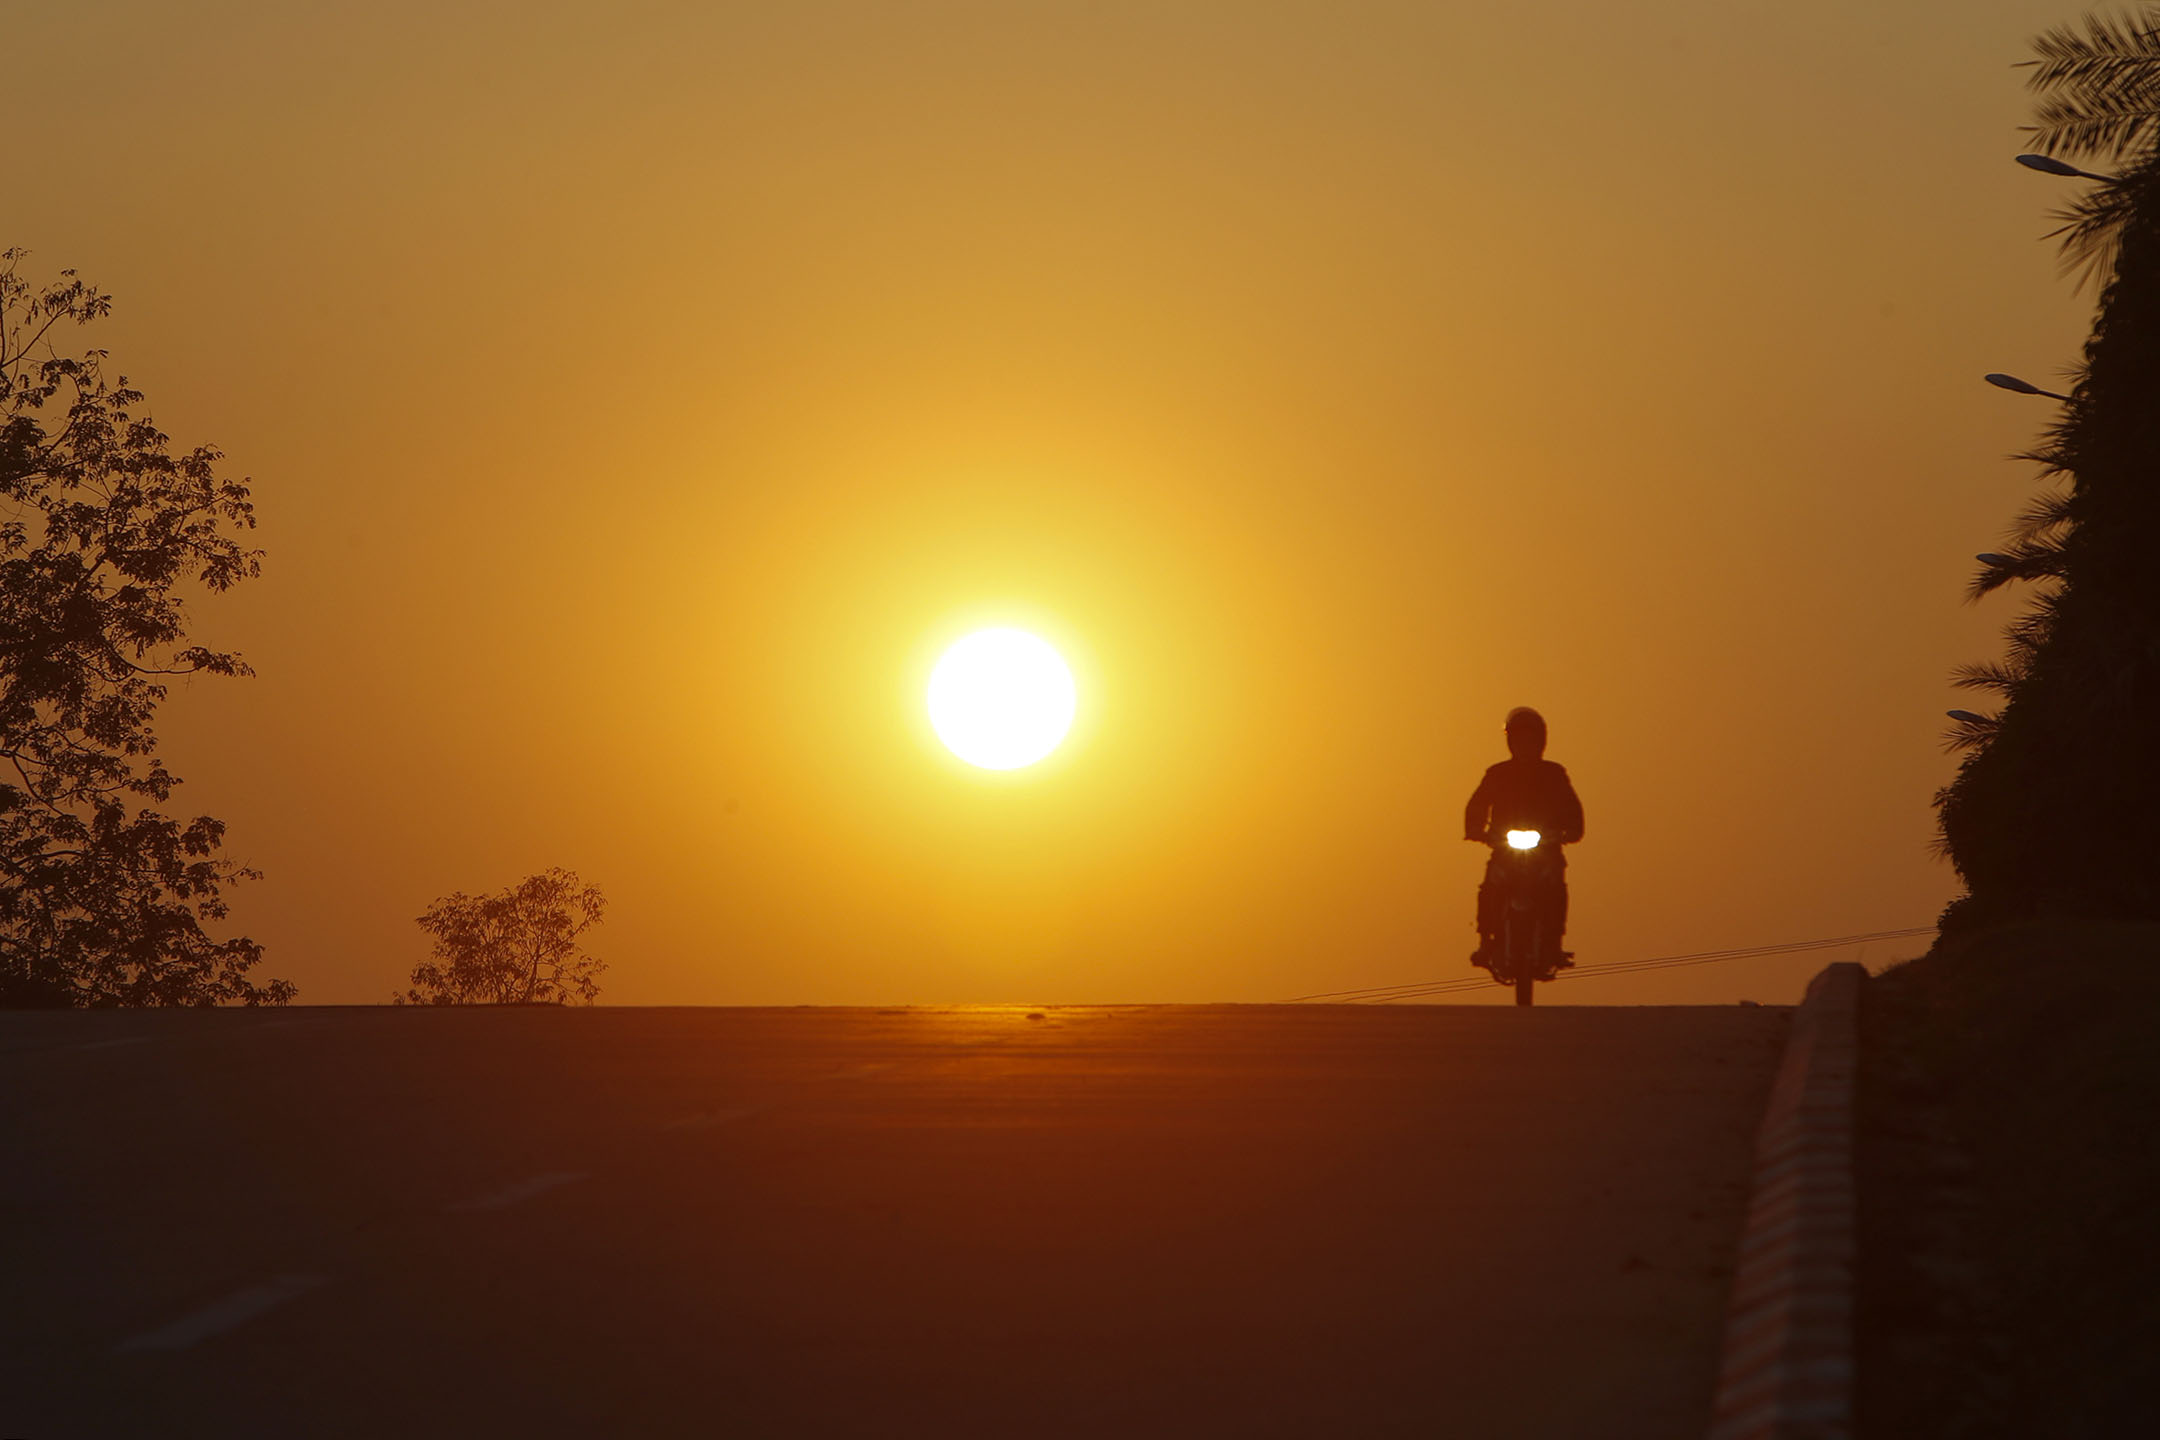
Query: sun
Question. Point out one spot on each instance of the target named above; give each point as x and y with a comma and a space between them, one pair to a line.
1001, 699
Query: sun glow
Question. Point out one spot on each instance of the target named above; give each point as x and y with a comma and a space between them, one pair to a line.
1001, 699
1524, 839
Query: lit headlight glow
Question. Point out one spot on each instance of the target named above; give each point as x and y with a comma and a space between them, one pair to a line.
1523, 839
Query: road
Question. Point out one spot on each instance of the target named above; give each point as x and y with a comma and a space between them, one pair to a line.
1174, 1221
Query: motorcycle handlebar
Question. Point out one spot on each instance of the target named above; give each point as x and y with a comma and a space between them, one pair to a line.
1497, 839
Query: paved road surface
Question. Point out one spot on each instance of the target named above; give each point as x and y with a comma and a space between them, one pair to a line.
1160, 1221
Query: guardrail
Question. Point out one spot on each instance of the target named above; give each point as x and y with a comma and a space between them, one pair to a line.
1787, 1367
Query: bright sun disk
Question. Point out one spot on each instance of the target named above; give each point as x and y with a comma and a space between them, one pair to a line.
1001, 699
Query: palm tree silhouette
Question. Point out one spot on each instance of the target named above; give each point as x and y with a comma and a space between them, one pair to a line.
2100, 102
2055, 805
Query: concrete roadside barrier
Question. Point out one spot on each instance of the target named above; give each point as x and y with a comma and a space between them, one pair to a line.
1787, 1368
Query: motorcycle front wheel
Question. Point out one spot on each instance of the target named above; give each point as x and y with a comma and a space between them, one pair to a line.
1522, 937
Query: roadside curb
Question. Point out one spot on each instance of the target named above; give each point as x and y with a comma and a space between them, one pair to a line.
1787, 1370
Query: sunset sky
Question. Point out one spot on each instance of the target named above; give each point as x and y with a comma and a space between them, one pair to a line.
640, 396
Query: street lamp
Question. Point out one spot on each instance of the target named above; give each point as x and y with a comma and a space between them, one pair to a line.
2023, 387
2049, 165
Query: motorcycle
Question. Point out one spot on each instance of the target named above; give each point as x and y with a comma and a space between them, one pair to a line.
1528, 871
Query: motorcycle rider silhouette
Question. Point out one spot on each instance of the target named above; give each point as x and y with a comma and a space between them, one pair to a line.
1525, 792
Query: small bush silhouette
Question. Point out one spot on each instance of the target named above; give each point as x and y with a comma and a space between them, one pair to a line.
518, 947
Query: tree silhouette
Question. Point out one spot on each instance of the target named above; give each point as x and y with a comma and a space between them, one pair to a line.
518, 947
2056, 806
103, 900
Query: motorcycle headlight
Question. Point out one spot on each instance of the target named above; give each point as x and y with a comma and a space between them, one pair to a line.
1523, 839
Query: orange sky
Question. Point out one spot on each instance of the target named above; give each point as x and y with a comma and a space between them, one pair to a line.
638, 396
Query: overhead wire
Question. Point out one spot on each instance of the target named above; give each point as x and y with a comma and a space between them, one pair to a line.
1387, 994
1669, 962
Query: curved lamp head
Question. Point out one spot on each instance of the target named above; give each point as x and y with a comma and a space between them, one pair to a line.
2048, 165
2023, 387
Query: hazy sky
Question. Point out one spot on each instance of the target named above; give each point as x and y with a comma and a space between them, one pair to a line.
639, 395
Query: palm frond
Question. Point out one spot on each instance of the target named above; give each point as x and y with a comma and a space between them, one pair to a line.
2107, 127
2070, 58
2040, 559
2090, 229
2053, 458
1971, 732
2109, 64
2099, 83
2044, 517
2000, 678
2029, 633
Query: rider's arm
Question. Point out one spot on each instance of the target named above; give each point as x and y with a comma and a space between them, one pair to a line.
1571, 828
1477, 816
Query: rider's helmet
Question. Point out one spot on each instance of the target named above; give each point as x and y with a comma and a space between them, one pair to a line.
1525, 733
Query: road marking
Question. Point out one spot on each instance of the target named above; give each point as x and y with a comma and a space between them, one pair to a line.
519, 1193
110, 1044
234, 1310
707, 1119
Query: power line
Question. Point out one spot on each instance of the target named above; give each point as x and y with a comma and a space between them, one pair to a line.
1386, 994
1669, 962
